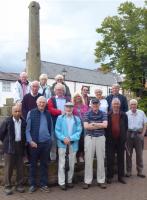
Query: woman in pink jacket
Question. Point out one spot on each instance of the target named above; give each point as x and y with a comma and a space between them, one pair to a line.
80, 108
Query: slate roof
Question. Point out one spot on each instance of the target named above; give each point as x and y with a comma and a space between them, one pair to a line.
77, 74
8, 76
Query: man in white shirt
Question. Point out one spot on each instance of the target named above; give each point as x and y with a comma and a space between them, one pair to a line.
136, 130
12, 134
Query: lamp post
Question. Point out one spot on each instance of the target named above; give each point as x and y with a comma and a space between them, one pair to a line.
64, 72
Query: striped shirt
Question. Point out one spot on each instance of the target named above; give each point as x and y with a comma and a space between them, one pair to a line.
95, 117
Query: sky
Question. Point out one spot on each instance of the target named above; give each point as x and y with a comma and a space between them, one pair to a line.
67, 31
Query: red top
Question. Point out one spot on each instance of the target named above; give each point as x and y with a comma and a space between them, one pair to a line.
54, 111
116, 125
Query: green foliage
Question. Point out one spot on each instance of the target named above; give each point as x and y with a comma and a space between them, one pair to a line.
142, 103
124, 45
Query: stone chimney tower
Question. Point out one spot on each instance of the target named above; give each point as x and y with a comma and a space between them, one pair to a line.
33, 61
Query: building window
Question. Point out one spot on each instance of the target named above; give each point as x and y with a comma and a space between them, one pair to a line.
6, 86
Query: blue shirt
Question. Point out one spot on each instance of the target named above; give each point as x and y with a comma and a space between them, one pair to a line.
60, 103
70, 122
44, 134
95, 117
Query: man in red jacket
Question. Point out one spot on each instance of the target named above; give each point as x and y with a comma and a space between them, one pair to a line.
56, 103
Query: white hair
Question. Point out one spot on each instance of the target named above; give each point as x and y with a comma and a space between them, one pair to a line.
133, 101
41, 98
115, 100
34, 83
98, 89
59, 86
23, 74
43, 76
59, 76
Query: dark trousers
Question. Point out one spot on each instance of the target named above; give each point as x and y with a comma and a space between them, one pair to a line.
136, 142
40, 153
14, 161
115, 147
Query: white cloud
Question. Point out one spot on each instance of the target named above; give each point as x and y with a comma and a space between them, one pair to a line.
67, 28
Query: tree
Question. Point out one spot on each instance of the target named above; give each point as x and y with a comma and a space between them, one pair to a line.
123, 47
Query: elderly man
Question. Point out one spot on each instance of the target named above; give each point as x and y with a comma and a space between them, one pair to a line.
38, 134
44, 89
29, 100
68, 130
60, 79
12, 134
57, 102
22, 87
136, 130
116, 94
116, 134
95, 123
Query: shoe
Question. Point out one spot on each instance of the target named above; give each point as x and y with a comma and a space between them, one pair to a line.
121, 180
20, 189
70, 185
45, 189
63, 187
109, 181
102, 185
141, 175
8, 191
32, 189
86, 186
128, 174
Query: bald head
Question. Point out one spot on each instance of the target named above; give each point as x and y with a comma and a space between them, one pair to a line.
35, 87
16, 111
23, 76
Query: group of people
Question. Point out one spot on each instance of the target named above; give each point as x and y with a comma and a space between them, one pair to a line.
46, 119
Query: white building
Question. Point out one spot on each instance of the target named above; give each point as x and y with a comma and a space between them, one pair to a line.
75, 78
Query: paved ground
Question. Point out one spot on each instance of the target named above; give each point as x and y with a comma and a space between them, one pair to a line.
135, 189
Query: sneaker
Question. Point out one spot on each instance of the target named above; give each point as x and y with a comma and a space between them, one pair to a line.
85, 186
32, 189
45, 189
102, 185
63, 187
8, 191
20, 189
141, 175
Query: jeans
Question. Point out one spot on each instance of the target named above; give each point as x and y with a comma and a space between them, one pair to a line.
40, 153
